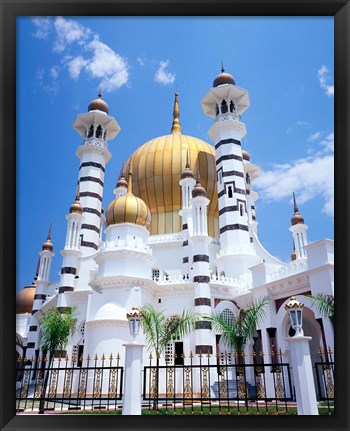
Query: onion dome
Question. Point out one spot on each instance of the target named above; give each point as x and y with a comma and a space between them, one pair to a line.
47, 245
76, 207
223, 78
198, 189
122, 181
157, 166
98, 104
297, 218
128, 209
245, 155
25, 299
187, 173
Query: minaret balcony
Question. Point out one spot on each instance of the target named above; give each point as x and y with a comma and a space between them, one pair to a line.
227, 124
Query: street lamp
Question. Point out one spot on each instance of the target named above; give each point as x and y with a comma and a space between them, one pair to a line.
295, 310
134, 318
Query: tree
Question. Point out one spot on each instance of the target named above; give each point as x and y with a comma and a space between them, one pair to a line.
324, 304
56, 329
237, 330
160, 330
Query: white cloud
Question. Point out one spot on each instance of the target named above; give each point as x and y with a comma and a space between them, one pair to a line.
54, 72
310, 178
302, 123
324, 79
68, 32
140, 61
43, 26
314, 137
75, 66
162, 76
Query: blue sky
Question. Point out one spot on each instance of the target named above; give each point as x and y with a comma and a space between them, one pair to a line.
286, 64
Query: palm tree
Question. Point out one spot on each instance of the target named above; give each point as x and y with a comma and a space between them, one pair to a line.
161, 330
236, 331
56, 329
324, 304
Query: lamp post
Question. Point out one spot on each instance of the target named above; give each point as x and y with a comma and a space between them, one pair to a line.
295, 310
301, 361
133, 366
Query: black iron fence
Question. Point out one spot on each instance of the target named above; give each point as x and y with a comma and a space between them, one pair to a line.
61, 384
223, 382
324, 370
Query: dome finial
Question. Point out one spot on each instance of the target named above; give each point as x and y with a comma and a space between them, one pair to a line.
49, 232
99, 93
130, 178
187, 161
176, 128
76, 206
295, 204
198, 189
297, 218
222, 67
48, 244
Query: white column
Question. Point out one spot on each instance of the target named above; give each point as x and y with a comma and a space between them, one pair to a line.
302, 375
133, 379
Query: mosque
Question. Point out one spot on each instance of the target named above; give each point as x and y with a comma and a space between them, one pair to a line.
181, 233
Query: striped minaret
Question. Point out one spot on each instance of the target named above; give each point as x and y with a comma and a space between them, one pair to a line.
41, 283
226, 102
200, 264
71, 252
298, 230
95, 127
187, 183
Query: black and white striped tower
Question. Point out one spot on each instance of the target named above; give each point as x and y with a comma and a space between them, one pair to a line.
42, 280
298, 230
71, 253
226, 102
187, 183
95, 127
200, 264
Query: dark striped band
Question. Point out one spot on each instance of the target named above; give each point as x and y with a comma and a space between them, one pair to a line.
89, 244
33, 328
94, 164
228, 157
39, 296
34, 311
93, 179
90, 227
63, 289
227, 141
91, 210
200, 258
185, 243
228, 209
202, 301
202, 348
201, 279
203, 324
90, 195
185, 226
236, 226
30, 345
185, 260
68, 270
231, 173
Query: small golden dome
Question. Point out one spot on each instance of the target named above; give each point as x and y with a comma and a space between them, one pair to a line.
297, 218
76, 206
245, 155
128, 209
223, 78
98, 104
25, 299
122, 182
198, 190
47, 245
293, 256
187, 173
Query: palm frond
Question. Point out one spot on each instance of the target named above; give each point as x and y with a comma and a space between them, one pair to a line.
324, 304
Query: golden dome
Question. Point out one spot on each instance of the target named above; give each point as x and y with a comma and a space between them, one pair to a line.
297, 218
157, 167
76, 206
128, 209
47, 245
245, 155
99, 104
223, 78
25, 299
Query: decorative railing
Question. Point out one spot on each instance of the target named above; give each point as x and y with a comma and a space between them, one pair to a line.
230, 281
293, 268
171, 279
166, 237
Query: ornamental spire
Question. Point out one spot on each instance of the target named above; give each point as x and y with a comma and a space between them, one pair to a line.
176, 127
130, 178
297, 218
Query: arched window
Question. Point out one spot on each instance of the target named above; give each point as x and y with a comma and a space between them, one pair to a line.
222, 274
91, 131
232, 107
227, 315
230, 194
224, 107
241, 209
99, 132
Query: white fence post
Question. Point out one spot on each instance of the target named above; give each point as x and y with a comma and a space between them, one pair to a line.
133, 378
303, 376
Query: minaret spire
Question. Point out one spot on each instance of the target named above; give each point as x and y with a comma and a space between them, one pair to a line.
295, 204
222, 67
176, 127
49, 232
130, 178
99, 93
